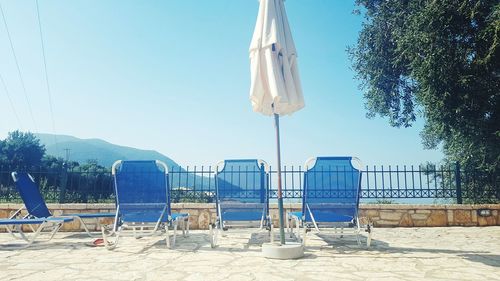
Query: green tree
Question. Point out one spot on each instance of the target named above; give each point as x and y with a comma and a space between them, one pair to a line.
92, 165
1, 149
21, 150
438, 60
50, 162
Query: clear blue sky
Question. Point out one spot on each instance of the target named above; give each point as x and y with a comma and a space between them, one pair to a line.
173, 76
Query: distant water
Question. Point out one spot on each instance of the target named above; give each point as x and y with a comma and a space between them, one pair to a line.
438, 201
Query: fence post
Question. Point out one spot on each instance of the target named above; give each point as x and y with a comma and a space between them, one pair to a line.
263, 185
64, 183
458, 183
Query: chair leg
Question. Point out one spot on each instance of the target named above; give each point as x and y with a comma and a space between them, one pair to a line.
288, 228
31, 238
20, 233
167, 233
82, 222
217, 233
175, 234
55, 230
37, 232
369, 229
211, 235
297, 225
271, 232
305, 228
221, 228
313, 219
186, 220
358, 231
32, 228
110, 245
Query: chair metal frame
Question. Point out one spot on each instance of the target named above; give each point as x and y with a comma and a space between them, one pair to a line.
140, 229
223, 225
14, 227
299, 218
79, 217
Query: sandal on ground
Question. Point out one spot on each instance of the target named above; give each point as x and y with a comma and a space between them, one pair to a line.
96, 243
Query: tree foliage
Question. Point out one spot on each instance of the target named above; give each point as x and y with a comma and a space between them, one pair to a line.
22, 150
438, 60
58, 179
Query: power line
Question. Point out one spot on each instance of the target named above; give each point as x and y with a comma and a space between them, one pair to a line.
18, 69
68, 152
11, 103
46, 73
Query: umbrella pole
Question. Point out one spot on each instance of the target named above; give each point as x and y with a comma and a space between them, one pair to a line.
280, 195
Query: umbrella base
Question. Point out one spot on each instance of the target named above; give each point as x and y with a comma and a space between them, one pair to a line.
283, 252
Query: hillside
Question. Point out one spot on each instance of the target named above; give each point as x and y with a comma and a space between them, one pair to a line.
105, 153
82, 150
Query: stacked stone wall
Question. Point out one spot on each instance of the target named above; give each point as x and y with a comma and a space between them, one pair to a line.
382, 215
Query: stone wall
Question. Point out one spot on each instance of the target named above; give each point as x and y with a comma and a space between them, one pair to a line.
383, 215
430, 215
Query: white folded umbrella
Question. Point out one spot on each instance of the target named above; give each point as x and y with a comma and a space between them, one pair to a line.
275, 85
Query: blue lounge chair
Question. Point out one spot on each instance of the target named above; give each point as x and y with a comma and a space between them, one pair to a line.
242, 196
35, 204
330, 197
14, 227
143, 202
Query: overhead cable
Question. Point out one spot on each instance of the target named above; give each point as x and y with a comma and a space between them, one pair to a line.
11, 103
28, 103
46, 74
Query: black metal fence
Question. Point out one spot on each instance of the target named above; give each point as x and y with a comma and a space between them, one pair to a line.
197, 184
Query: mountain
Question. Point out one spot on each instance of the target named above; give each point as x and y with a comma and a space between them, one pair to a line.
82, 150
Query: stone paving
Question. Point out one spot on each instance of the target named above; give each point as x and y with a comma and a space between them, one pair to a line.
451, 253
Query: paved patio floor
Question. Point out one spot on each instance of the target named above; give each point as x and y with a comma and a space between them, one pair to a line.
453, 253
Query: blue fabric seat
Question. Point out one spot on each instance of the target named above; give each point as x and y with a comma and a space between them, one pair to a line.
242, 195
35, 204
143, 202
330, 196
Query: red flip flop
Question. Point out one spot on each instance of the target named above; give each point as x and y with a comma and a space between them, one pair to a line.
97, 243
